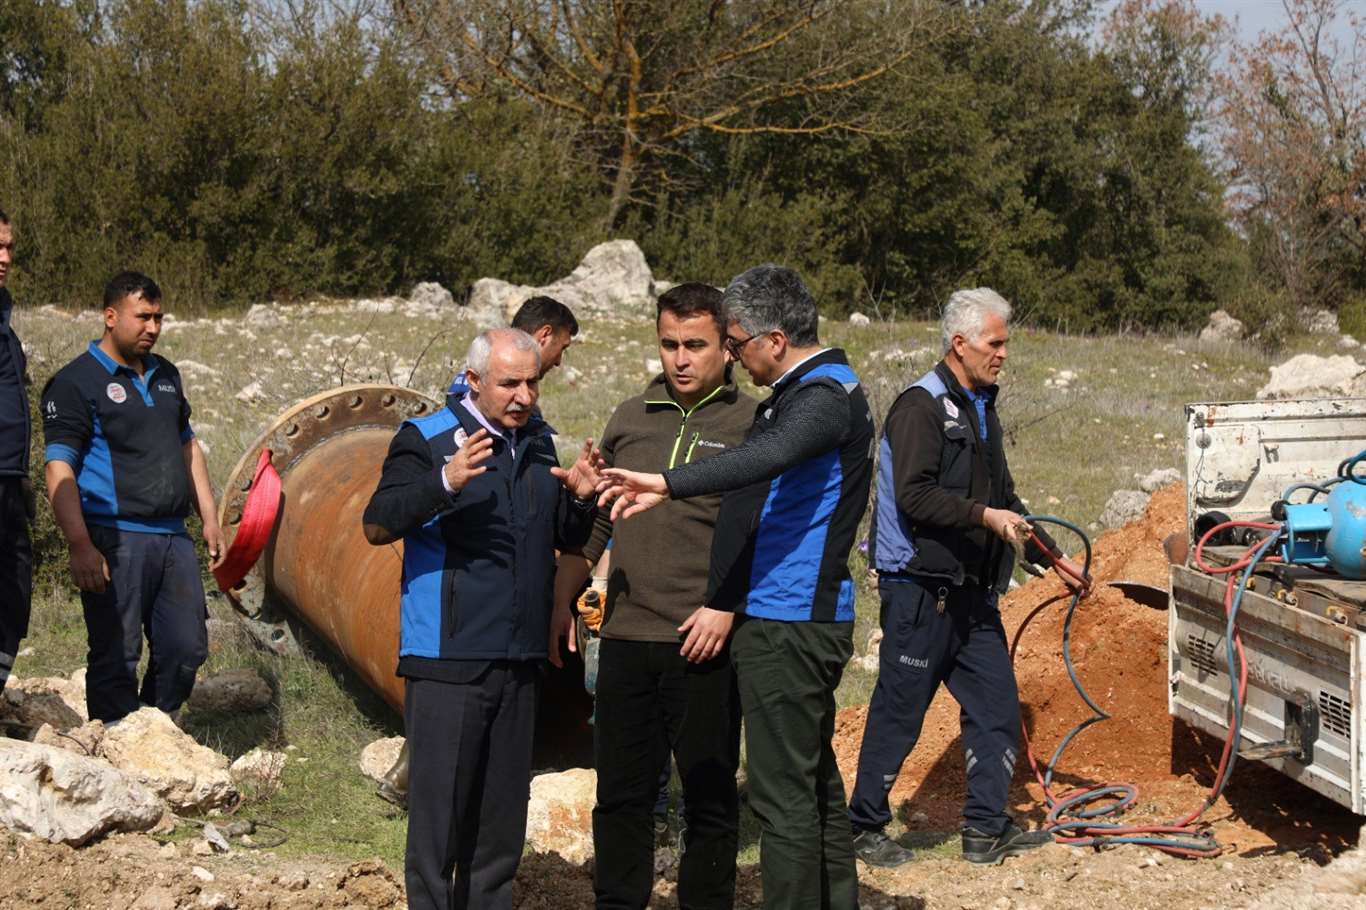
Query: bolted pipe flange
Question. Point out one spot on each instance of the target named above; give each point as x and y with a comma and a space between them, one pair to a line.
290, 436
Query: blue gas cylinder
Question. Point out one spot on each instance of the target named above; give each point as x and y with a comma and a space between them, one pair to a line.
1347, 509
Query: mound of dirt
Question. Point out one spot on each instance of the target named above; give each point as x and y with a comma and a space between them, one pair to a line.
1118, 647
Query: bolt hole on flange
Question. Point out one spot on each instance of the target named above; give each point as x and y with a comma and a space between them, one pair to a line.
321, 411
388, 401
355, 401
245, 485
236, 519
420, 408
292, 431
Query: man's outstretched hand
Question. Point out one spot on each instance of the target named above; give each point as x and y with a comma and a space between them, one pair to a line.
585, 475
631, 492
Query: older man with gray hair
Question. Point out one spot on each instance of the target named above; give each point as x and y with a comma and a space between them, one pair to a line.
946, 524
795, 493
476, 494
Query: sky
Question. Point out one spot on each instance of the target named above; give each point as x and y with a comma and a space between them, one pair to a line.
1255, 16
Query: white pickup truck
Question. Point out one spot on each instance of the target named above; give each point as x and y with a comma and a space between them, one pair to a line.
1303, 628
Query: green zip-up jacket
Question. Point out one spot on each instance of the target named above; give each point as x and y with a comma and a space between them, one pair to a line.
661, 559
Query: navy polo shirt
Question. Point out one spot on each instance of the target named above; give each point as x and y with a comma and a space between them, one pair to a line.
123, 436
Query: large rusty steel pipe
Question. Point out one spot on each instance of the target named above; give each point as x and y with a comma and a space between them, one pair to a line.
328, 450
318, 566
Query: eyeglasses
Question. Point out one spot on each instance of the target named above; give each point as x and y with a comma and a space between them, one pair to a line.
734, 346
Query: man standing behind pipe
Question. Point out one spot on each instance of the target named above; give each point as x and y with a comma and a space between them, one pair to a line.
476, 493
123, 470
16, 493
946, 521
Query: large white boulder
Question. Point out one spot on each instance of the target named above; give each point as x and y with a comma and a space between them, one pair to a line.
1312, 376
1222, 327
68, 798
260, 768
1159, 478
429, 294
148, 745
560, 816
613, 279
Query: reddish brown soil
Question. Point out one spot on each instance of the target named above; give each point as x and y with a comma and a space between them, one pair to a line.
1119, 649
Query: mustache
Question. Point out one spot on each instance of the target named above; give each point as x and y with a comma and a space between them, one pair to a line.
516, 408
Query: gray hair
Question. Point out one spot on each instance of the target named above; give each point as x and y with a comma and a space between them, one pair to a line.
966, 313
769, 297
481, 348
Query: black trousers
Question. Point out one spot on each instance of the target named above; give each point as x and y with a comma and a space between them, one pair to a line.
16, 572
964, 648
788, 673
650, 702
154, 589
469, 780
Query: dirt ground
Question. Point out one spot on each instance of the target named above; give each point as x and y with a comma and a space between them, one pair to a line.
1277, 833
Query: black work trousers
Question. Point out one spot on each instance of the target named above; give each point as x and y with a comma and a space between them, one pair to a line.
154, 589
787, 674
964, 648
469, 781
651, 701
16, 571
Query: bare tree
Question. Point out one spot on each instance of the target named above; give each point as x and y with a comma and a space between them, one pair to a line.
1294, 119
641, 78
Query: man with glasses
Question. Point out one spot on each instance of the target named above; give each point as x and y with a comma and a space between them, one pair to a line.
796, 491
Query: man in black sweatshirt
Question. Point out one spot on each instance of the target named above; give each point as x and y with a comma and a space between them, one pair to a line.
946, 522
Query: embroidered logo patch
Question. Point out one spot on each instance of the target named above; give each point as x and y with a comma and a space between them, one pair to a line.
950, 408
116, 393
165, 387
711, 445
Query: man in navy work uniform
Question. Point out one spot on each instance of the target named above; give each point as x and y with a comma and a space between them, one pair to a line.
476, 493
16, 493
123, 471
946, 520
779, 559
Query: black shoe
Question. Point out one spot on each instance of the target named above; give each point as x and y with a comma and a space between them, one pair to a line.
983, 848
877, 849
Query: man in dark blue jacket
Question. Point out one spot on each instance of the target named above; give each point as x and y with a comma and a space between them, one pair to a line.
476, 493
945, 526
16, 493
796, 491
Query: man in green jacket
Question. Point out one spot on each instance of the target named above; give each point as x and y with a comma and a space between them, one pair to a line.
657, 692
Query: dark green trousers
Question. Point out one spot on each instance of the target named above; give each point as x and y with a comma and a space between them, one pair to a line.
787, 674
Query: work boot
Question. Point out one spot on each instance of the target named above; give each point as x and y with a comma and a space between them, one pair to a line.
393, 787
983, 848
877, 849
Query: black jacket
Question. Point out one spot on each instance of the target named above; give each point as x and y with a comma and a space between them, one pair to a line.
14, 412
943, 477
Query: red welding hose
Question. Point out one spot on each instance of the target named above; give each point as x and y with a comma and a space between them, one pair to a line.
1182, 826
257, 524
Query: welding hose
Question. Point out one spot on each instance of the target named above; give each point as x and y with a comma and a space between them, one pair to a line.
1072, 816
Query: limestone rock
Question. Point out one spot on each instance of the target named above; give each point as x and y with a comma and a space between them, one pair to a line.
259, 767
148, 745
858, 319
874, 641
612, 279
1222, 327
377, 758
1159, 478
1123, 507
263, 316
560, 816
430, 294
1312, 376
231, 692
67, 798
250, 393
34, 701
1319, 322
83, 740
